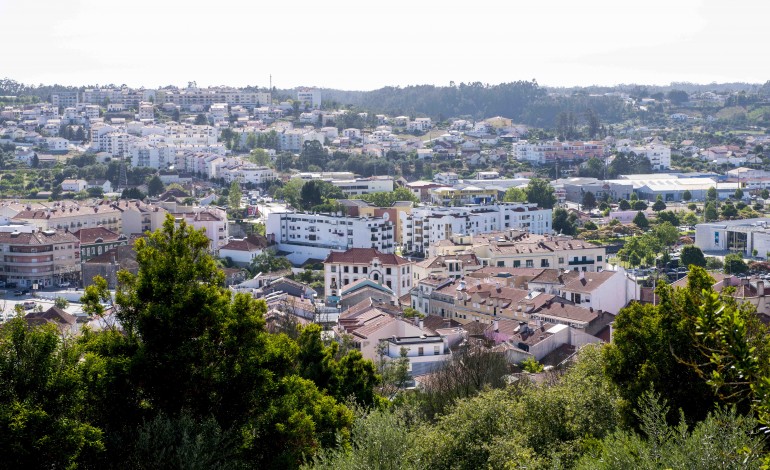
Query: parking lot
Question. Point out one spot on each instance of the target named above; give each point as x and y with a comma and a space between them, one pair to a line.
8, 302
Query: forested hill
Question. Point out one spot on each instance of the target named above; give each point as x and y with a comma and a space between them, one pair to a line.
522, 101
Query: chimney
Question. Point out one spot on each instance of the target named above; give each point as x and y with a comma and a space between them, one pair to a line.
581, 275
421, 324
760, 288
496, 326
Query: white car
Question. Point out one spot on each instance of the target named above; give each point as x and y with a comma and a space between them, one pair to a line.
64, 284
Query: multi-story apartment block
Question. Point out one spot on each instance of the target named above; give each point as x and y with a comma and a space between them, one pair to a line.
146, 112
550, 152
65, 99
211, 220
316, 235
521, 249
138, 217
43, 257
202, 97
343, 268
247, 173
309, 97
657, 153
72, 217
426, 226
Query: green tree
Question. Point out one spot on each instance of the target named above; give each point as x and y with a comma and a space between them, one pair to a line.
692, 255
639, 206
729, 211
710, 213
291, 192
624, 205
734, 264
652, 347
690, 219
199, 350
668, 216
724, 440
200, 120
515, 195
42, 400
155, 186
259, 157
667, 234
711, 194
387, 199
268, 261
738, 195
686, 195
61, 302
641, 221
234, 195
531, 365
659, 204
540, 192
562, 223
589, 201
313, 154
765, 194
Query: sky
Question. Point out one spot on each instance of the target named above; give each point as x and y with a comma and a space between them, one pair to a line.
361, 45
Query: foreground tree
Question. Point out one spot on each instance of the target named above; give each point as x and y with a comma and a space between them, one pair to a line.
195, 349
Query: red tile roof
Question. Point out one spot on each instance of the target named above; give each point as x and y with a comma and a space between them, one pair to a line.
89, 235
364, 256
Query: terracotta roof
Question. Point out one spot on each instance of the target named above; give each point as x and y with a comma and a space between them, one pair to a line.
364, 256
89, 235
567, 311
53, 315
588, 282
241, 245
435, 322
36, 238
125, 256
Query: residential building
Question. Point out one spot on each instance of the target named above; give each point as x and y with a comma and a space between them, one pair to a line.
425, 353
97, 240
44, 257
305, 235
74, 185
108, 264
542, 153
656, 152
344, 268
426, 226
243, 251
309, 97
72, 216
211, 220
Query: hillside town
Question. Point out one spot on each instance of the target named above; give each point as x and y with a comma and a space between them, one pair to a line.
410, 239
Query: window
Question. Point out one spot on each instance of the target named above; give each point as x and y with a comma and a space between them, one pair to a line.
599, 258
365, 269
355, 269
561, 260
517, 264
334, 269
530, 263
436, 350
501, 264
420, 351
345, 269
387, 271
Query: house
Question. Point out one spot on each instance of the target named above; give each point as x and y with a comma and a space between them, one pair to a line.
243, 251
344, 268
65, 322
364, 289
425, 353
107, 265
104, 185
97, 240
74, 185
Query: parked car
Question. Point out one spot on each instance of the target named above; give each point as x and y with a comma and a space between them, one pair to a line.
28, 305
64, 284
21, 292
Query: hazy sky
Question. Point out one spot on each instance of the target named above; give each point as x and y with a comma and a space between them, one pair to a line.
363, 45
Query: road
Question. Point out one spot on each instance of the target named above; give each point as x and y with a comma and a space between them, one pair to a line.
8, 302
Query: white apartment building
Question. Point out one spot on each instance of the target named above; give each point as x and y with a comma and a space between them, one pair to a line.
358, 186
428, 225
146, 111
309, 97
74, 185
549, 152
658, 154
56, 144
247, 173
419, 124
307, 236
201, 97
347, 267
213, 222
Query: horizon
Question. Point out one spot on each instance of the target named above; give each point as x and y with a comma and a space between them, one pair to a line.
344, 46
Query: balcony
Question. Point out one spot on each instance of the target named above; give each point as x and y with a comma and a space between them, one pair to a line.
577, 262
